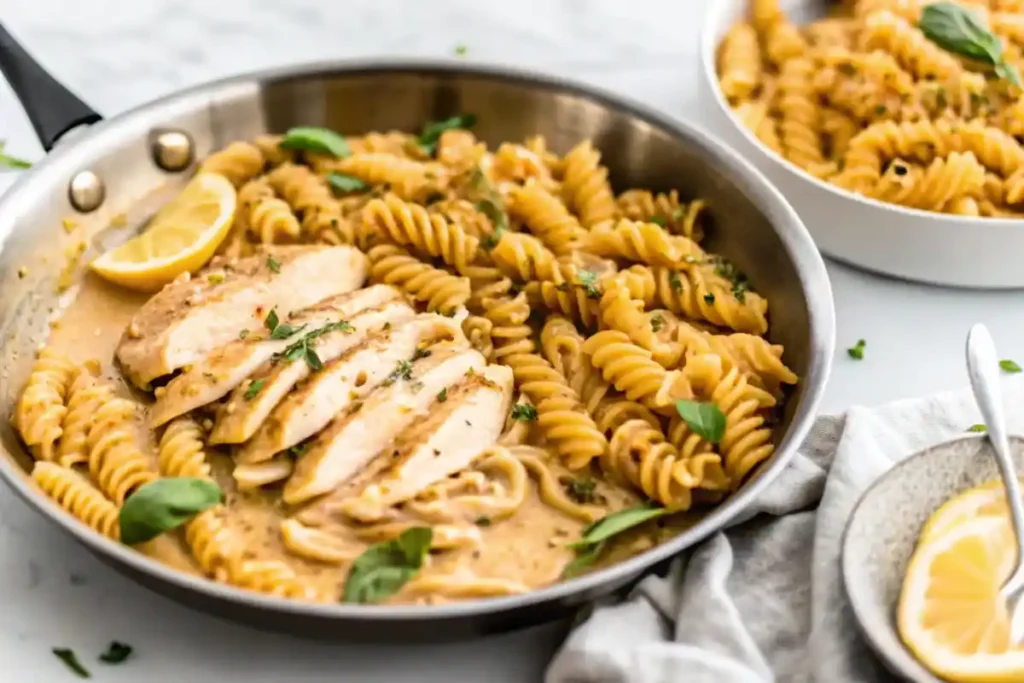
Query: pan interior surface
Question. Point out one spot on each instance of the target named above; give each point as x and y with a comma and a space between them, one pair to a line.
751, 225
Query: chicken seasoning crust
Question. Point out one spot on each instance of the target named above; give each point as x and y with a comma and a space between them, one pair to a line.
417, 370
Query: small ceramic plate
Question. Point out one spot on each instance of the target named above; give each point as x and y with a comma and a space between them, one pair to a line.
883, 530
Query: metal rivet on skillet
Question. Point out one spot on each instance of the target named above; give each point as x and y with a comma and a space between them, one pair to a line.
86, 191
172, 150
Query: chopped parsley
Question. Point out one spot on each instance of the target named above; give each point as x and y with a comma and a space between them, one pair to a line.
490, 204
273, 264
709, 298
243, 334
116, 653
284, 330
740, 284
588, 280
977, 428
483, 521
524, 412
460, 50
657, 322
1009, 366
303, 348
402, 371
299, 450
254, 389
442, 395
272, 320
70, 660
659, 220
583, 490
421, 353
857, 350
674, 282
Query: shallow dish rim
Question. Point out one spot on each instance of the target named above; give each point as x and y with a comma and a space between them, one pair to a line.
709, 71
796, 240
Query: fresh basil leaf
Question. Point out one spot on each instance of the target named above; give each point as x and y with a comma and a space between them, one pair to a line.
116, 653
313, 139
1008, 72
1009, 366
70, 660
705, 419
585, 557
272, 320
284, 330
588, 280
313, 360
431, 132
165, 504
616, 523
254, 389
346, 183
961, 32
442, 395
384, 568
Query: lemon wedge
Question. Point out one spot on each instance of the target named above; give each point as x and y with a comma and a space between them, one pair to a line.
987, 499
181, 237
951, 615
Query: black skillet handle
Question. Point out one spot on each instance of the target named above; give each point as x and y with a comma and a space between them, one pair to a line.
52, 108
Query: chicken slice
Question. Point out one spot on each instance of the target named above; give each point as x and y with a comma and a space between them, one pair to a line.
190, 317
227, 367
353, 439
470, 420
252, 400
311, 407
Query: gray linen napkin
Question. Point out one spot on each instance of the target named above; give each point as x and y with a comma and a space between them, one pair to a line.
762, 602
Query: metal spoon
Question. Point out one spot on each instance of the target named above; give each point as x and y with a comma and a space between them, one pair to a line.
983, 369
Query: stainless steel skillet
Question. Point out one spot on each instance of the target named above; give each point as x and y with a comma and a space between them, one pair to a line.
119, 165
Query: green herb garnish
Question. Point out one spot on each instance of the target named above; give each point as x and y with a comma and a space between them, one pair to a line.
442, 396
254, 389
657, 322
271, 320
243, 334
303, 348
582, 489
165, 504
215, 278
284, 330
313, 139
674, 282
740, 284
705, 419
495, 213
524, 412
709, 298
460, 50
273, 264
585, 557
857, 350
977, 428
594, 537
116, 653
489, 242
588, 280
402, 371
299, 450
7, 161
384, 568
1009, 366
346, 183
431, 132
959, 31
483, 521
70, 660
659, 221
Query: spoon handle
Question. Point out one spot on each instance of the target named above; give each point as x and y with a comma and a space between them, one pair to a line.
983, 369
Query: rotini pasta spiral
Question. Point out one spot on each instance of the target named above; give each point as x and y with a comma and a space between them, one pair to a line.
76, 495
312, 201
115, 461
547, 218
632, 371
85, 397
441, 292
935, 187
886, 31
271, 221
410, 225
640, 456
406, 178
239, 162
647, 207
739, 62
800, 125
747, 440
585, 185
181, 450
646, 243
41, 410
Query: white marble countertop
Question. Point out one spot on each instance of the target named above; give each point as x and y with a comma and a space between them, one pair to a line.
117, 54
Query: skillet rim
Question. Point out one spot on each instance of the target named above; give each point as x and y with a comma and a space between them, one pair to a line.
794, 236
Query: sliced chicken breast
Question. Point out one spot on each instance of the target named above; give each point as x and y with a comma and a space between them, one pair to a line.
314, 404
352, 441
192, 316
448, 441
251, 402
225, 368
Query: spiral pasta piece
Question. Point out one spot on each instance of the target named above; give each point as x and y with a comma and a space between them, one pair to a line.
181, 452
410, 225
312, 201
85, 397
78, 497
406, 178
782, 40
886, 31
115, 462
510, 331
739, 62
585, 185
620, 312
273, 153
700, 462
679, 218
800, 125
547, 218
747, 441
631, 370
935, 187
239, 162
477, 329
640, 456
40, 411
646, 243
314, 544
441, 292
271, 221
529, 163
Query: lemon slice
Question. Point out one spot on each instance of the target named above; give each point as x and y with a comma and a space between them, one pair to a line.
987, 499
181, 237
951, 615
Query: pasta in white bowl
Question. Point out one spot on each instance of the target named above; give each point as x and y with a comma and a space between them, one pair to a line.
902, 156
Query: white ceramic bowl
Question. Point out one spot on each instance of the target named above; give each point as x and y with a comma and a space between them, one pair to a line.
888, 239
